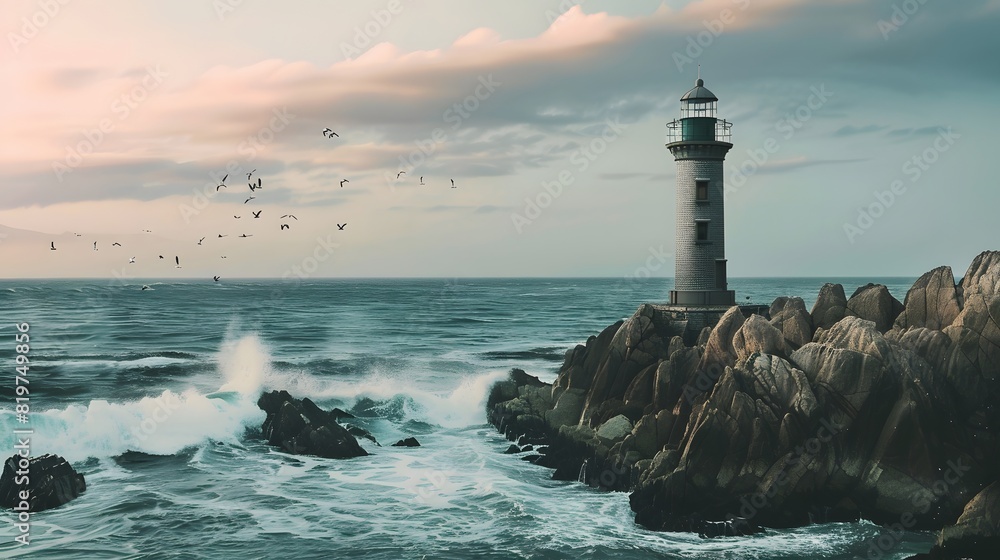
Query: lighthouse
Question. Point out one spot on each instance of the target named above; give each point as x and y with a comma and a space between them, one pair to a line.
699, 141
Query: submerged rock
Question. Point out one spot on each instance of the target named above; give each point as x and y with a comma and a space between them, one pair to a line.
302, 428
50, 482
408, 442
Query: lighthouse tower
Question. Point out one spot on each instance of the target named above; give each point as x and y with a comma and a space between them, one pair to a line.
699, 141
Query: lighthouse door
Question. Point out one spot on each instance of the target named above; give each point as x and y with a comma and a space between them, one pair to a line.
720, 274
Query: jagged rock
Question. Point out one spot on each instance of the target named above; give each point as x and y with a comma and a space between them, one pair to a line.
983, 277
932, 302
789, 315
758, 336
408, 442
51, 482
357, 431
873, 302
976, 534
302, 428
512, 450
719, 350
615, 429
830, 306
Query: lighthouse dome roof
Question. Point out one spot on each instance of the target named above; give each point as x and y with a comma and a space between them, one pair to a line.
699, 93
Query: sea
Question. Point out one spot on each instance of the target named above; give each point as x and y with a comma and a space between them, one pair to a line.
151, 394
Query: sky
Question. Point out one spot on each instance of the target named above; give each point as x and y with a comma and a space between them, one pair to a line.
862, 131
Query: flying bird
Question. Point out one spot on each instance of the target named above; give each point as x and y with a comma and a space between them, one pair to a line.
284, 226
249, 174
178, 261
328, 133
400, 173
421, 179
116, 244
245, 235
453, 184
95, 245
290, 216
161, 256
220, 235
249, 199
200, 240
235, 216
342, 183
53, 246
144, 287
131, 260
257, 213
147, 231
216, 278
223, 256
340, 227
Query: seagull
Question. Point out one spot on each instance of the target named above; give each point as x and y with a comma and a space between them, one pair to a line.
178, 261
257, 213
131, 260
95, 245
400, 173
249, 174
235, 216
161, 256
453, 184
220, 235
327, 133
223, 256
421, 179
217, 187
340, 227
284, 226
252, 187
290, 216
144, 287
147, 231
249, 199
342, 183
116, 244
245, 235
216, 278
53, 247
200, 240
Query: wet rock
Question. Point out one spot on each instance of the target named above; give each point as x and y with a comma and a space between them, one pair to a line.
408, 442
302, 428
50, 482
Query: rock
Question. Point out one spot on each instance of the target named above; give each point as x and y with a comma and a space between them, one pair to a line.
512, 449
982, 278
830, 306
52, 482
302, 428
789, 315
357, 431
976, 534
719, 350
408, 442
932, 302
757, 336
615, 429
873, 302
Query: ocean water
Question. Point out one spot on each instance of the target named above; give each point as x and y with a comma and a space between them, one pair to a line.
151, 394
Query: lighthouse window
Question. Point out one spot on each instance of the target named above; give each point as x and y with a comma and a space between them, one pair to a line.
702, 231
701, 189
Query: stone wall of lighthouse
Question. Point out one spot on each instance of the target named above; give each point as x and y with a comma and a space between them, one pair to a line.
696, 261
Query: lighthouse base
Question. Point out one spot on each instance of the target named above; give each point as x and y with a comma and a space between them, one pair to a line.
703, 297
688, 321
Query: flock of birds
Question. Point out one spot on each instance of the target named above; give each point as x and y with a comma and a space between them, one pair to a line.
254, 187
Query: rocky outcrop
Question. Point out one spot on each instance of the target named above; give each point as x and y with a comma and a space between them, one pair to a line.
830, 306
931, 303
873, 302
302, 428
50, 482
407, 442
774, 424
976, 534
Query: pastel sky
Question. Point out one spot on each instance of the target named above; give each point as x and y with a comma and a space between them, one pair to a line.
863, 130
